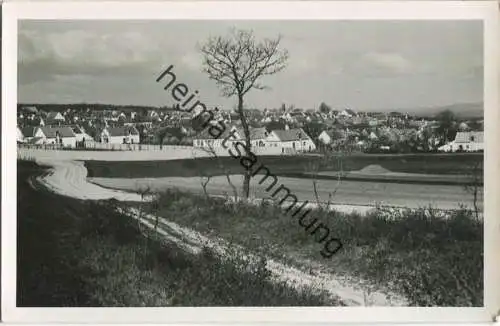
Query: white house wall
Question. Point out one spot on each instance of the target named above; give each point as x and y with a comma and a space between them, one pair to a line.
69, 141
325, 138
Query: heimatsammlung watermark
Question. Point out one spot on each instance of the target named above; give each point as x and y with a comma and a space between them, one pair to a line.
180, 91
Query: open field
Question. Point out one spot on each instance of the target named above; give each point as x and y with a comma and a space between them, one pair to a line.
357, 193
442, 164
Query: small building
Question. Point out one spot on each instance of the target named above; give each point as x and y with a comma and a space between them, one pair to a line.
326, 137
207, 141
54, 118
348, 113
465, 141
332, 136
295, 140
28, 133
81, 135
30, 109
63, 136
120, 135
20, 136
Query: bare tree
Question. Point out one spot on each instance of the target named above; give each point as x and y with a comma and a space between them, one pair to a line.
327, 159
205, 179
237, 62
212, 152
144, 192
474, 185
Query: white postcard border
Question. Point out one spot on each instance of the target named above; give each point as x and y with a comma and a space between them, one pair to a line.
483, 10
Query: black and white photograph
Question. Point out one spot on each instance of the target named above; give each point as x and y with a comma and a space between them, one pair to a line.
250, 162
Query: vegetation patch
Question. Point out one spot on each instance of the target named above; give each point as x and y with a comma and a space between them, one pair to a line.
430, 258
82, 253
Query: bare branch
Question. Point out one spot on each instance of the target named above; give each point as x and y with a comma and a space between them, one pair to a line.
236, 63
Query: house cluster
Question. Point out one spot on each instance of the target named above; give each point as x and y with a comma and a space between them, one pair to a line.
69, 130
284, 129
465, 141
287, 141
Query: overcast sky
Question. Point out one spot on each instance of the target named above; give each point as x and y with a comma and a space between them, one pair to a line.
365, 65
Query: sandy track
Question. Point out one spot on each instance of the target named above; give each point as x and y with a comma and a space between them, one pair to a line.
343, 288
69, 178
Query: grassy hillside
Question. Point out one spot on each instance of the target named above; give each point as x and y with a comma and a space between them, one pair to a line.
75, 253
432, 261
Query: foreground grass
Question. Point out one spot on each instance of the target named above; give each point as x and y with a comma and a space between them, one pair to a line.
82, 253
429, 164
430, 260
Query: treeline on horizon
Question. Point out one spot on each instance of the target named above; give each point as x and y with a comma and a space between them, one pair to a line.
461, 110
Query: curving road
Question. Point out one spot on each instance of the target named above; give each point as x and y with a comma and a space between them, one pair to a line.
69, 178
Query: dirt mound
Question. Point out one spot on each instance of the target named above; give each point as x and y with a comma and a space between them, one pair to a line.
374, 169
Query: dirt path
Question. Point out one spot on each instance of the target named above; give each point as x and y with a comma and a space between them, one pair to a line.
349, 293
69, 178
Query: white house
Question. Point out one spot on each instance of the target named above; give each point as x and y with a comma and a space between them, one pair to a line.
347, 113
206, 140
120, 135
263, 142
467, 141
55, 135
291, 140
326, 137
81, 135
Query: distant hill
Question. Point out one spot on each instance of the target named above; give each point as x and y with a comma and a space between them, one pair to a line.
84, 106
462, 110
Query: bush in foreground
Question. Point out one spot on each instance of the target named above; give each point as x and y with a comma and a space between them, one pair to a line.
432, 260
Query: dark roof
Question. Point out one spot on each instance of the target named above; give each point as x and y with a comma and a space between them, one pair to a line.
30, 109
76, 129
258, 133
34, 140
122, 131
291, 134
28, 131
351, 112
51, 132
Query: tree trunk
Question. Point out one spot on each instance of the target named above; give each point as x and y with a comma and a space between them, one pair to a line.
248, 145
